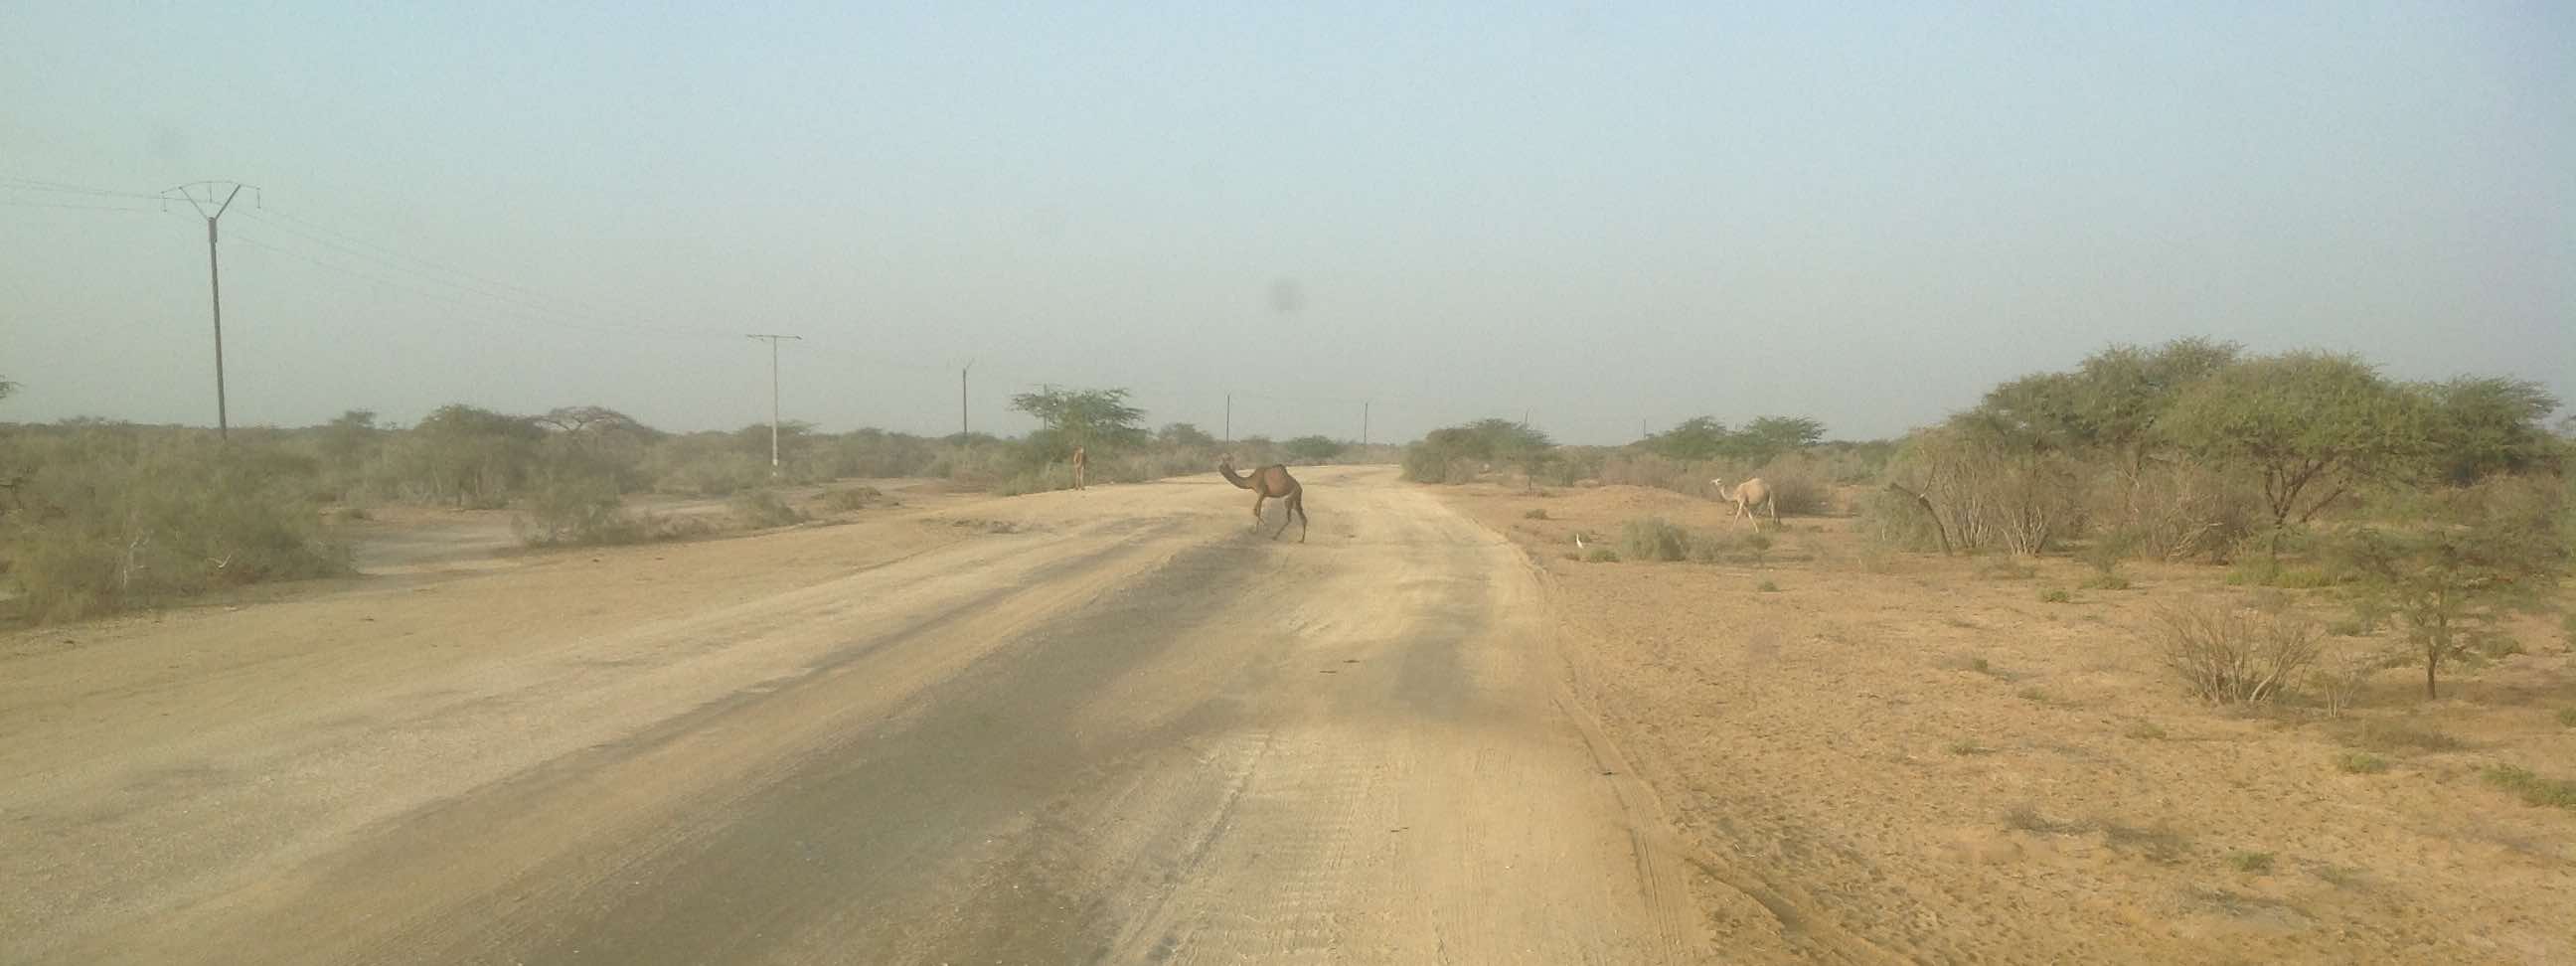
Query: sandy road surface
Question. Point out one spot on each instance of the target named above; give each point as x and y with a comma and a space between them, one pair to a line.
1124, 730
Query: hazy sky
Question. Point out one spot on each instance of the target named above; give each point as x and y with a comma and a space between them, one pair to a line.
1594, 214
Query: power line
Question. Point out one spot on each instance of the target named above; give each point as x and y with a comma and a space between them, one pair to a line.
71, 207
495, 290
62, 187
478, 311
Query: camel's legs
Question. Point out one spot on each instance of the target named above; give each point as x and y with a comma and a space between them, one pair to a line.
1773, 502
1300, 504
1292, 506
1258, 498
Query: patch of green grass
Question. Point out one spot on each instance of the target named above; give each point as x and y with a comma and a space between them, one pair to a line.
1767, 587
2567, 716
2105, 582
2533, 789
2360, 763
2036, 696
1535, 513
2252, 863
1966, 747
2144, 731
1601, 555
2056, 595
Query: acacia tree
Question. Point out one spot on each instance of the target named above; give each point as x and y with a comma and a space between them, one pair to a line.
2489, 550
1697, 438
2111, 402
1770, 436
2310, 426
2486, 425
1093, 418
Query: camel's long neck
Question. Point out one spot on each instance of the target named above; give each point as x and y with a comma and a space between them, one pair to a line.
1239, 480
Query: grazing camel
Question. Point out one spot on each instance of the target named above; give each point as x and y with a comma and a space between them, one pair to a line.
1266, 483
1081, 461
1752, 493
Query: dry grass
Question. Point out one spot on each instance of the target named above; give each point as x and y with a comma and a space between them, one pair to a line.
1866, 730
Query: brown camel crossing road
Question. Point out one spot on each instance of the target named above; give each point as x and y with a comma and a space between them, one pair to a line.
1108, 726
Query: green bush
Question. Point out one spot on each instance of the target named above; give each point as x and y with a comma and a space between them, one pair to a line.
758, 509
119, 521
2056, 595
850, 499
575, 508
1601, 555
1652, 538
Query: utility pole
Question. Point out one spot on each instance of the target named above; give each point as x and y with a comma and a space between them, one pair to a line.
773, 392
961, 397
1229, 419
1364, 422
215, 278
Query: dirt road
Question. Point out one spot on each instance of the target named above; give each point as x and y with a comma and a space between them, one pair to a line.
1110, 726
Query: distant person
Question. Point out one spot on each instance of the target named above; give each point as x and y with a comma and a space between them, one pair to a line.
1081, 460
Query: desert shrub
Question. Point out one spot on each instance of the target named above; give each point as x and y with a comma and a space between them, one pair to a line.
1314, 449
2567, 717
2176, 510
2250, 862
576, 508
118, 521
1991, 492
850, 499
1718, 546
1535, 513
1796, 494
1052, 476
1653, 538
1454, 454
706, 464
1767, 587
1895, 520
760, 508
2056, 595
2227, 655
1601, 555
